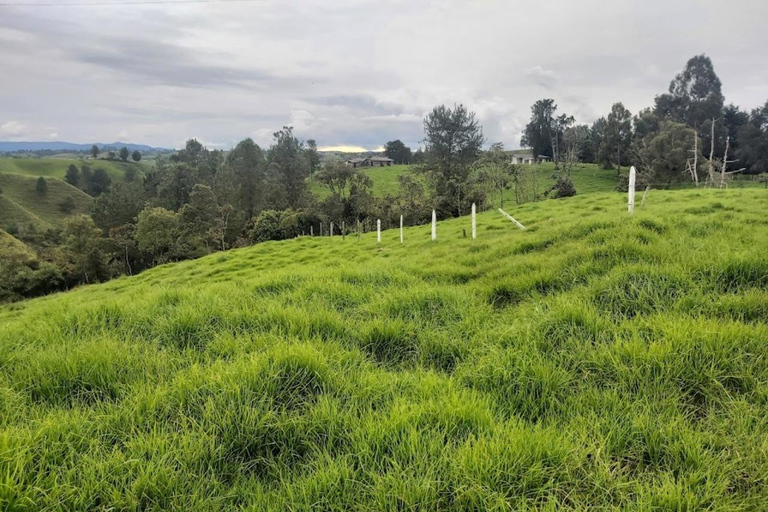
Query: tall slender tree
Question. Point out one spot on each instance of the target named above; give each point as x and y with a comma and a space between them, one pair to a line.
453, 138
617, 136
695, 98
288, 168
247, 163
538, 132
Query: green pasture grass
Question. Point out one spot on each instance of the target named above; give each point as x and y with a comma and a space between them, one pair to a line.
592, 362
587, 178
384, 181
12, 214
56, 166
21, 204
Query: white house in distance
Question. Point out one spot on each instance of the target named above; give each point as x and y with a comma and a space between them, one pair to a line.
371, 161
524, 156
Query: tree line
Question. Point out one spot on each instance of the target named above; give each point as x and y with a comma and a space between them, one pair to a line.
123, 154
689, 134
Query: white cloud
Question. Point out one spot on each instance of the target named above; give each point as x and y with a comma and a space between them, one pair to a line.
53, 135
12, 129
263, 136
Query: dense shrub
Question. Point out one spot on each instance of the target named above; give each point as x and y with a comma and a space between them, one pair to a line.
563, 187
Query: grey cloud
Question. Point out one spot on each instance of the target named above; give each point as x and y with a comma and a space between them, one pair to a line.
166, 64
174, 114
352, 72
364, 106
544, 77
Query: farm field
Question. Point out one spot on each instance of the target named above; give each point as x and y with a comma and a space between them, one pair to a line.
594, 361
56, 167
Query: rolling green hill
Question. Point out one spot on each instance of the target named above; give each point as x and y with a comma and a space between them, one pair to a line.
12, 214
56, 167
592, 362
384, 181
21, 204
587, 178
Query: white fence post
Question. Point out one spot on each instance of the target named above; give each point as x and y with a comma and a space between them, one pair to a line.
378, 230
434, 225
401, 229
512, 219
631, 191
331, 228
474, 221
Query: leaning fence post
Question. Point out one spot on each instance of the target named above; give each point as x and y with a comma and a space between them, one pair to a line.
631, 189
474, 221
401, 229
378, 230
511, 218
434, 225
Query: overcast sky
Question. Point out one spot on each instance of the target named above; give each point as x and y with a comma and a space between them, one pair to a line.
353, 72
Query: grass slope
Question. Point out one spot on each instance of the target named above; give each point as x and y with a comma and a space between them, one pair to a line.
10, 247
594, 362
21, 204
56, 167
384, 181
587, 178
12, 214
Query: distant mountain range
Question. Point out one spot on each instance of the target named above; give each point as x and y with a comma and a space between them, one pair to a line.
10, 147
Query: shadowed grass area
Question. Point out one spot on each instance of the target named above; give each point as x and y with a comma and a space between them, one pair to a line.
592, 362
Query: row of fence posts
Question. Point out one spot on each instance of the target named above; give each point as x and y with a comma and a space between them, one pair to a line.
402, 232
631, 206
331, 227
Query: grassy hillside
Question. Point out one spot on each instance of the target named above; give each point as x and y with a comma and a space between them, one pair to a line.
10, 247
586, 178
594, 361
21, 204
12, 214
384, 181
56, 167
